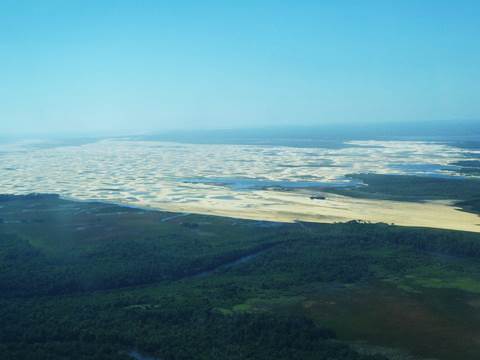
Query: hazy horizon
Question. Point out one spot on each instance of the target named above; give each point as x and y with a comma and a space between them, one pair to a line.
426, 130
119, 67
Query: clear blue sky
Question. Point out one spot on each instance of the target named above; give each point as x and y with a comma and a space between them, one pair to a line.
130, 66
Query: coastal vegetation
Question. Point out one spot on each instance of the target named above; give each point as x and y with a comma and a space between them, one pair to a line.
83, 280
465, 191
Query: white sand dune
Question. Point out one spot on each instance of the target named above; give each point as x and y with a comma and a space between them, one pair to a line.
291, 206
153, 175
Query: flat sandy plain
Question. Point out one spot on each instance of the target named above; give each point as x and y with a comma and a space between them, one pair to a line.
296, 205
158, 175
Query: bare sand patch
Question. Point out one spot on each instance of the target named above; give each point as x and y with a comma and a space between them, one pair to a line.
292, 206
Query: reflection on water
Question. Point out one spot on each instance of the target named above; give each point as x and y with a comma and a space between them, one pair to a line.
250, 184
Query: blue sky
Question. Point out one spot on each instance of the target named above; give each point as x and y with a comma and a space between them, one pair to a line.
134, 66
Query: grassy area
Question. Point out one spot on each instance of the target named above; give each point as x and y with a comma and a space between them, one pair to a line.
431, 323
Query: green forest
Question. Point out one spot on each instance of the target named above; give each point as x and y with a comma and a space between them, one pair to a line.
83, 280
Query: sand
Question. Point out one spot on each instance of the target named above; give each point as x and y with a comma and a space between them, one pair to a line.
293, 206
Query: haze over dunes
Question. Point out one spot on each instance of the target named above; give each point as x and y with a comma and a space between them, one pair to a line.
247, 181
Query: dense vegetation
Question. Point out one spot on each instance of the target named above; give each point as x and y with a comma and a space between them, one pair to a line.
406, 187
98, 281
416, 188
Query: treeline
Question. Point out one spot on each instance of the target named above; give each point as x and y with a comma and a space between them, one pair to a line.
447, 242
328, 253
